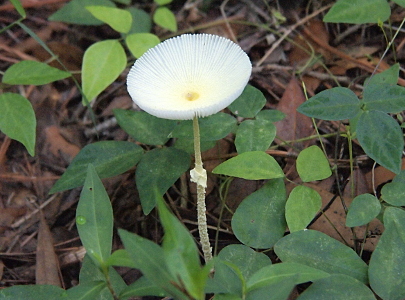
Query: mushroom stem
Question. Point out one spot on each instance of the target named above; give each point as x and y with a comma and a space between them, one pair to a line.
199, 176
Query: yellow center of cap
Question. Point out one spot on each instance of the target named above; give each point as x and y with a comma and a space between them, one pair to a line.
191, 96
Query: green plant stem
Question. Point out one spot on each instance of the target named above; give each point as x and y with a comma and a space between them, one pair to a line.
11, 25
199, 176
389, 46
108, 281
315, 136
352, 183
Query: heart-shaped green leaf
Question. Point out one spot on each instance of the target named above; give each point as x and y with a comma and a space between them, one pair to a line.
381, 138
253, 165
259, 220
320, 251
17, 120
103, 62
33, 72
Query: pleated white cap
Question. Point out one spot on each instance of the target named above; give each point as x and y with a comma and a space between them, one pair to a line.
189, 75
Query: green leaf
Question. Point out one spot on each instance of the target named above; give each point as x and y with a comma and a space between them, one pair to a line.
249, 103
163, 2
400, 2
142, 287
254, 135
302, 205
88, 291
259, 220
139, 43
118, 19
394, 192
32, 72
120, 258
19, 8
212, 128
242, 257
270, 115
386, 97
110, 158
144, 127
275, 273
32, 292
334, 104
386, 271
150, 259
94, 218
143, 21
253, 165
337, 287
91, 273
275, 291
362, 210
165, 18
187, 145
358, 12
353, 124
17, 120
312, 164
228, 280
226, 297
157, 171
400, 177
245, 258
181, 253
74, 12
320, 251
127, 2
389, 76
103, 62
381, 138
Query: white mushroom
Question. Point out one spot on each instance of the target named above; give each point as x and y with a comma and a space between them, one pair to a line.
189, 75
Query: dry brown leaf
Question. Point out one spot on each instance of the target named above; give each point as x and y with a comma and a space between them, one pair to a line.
30, 43
47, 267
58, 145
239, 189
8, 215
373, 62
294, 125
70, 55
360, 185
303, 46
219, 26
359, 51
122, 102
311, 84
381, 175
340, 68
342, 65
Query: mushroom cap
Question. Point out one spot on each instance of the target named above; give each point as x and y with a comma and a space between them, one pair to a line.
189, 75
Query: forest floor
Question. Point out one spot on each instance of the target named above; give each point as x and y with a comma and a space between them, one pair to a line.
288, 45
